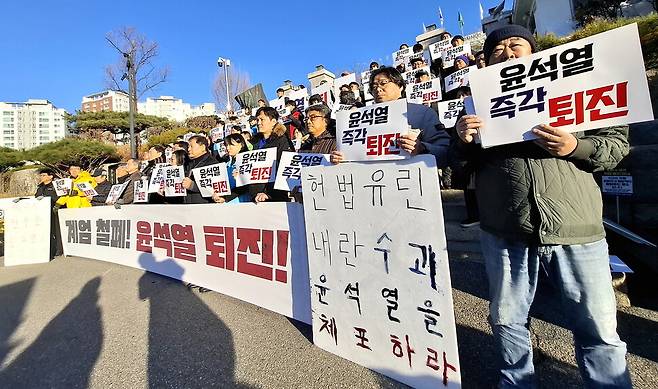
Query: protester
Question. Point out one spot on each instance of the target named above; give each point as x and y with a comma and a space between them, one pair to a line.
387, 84
280, 93
315, 99
271, 133
540, 207
154, 156
417, 63
457, 41
47, 189
76, 198
479, 59
418, 48
133, 175
262, 103
234, 145
374, 65
461, 62
404, 46
199, 156
358, 93
322, 130
178, 158
180, 145
296, 119
445, 35
103, 187
422, 76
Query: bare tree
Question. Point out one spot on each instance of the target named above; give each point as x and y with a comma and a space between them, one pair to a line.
238, 82
140, 52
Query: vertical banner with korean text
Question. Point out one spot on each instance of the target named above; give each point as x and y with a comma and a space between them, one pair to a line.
255, 253
371, 132
594, 82
378, 262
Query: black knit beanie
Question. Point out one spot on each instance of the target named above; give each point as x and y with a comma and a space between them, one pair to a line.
507, 32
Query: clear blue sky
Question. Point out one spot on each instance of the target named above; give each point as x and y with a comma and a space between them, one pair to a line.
56, 50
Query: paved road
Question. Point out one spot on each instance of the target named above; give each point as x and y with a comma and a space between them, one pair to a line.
82, 323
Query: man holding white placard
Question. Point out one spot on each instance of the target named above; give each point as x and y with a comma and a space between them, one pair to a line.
199, 157
540, 206
426, 135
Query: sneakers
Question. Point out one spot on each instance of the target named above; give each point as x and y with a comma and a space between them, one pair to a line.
469, 223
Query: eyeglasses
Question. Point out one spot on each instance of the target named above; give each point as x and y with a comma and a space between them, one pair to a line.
308, 118
381, 84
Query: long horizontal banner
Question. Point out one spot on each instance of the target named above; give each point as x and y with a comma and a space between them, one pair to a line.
255, 253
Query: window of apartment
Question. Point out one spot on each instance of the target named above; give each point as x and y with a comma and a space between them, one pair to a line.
7, 125
8, 132
7, 113
42, 114
44, 119
7, 119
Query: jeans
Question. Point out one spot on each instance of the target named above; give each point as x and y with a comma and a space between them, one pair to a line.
581, 275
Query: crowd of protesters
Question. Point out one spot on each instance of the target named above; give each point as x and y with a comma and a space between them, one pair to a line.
527, 222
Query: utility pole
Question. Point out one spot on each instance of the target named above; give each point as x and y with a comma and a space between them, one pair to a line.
225, 63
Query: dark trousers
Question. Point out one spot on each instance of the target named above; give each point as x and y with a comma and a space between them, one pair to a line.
472, 210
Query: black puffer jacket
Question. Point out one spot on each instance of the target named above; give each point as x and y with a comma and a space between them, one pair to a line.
193, 195
524, 193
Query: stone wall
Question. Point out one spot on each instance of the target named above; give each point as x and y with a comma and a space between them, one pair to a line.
19, 183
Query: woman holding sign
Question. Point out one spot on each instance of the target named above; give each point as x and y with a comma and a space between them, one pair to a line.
235, 144
426, 135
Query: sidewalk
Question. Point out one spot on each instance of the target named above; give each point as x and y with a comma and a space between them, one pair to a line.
83, 323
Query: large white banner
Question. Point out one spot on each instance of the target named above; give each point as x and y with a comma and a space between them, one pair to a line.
212, 179
378, 262
591, 83
289, 173
27, 230
255, 253
255, 167
424, 92
371, 132
449, 111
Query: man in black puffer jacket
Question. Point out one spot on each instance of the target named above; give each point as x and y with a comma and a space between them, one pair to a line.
271, 133
199, 157
540, 207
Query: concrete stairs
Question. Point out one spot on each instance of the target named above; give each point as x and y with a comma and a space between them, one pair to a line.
463, 243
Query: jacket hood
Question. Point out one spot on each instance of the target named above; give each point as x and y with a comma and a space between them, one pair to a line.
279, 130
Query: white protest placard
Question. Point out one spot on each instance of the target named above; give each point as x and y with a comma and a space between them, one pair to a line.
424, 92
410, 76
458, 78
342, 107
156, 182
87, 189
27, 230
280, 105
289, 173
371, 132
449, 55
255, 167
62, 186
617, 183
594, 82
212, 179
340, 81
255, 253
378, 267
116, 191
140, 191
413, 56
216, 134
325, 91
400, 56
300, 97
449, 111
476, 40
173, 181
436, 49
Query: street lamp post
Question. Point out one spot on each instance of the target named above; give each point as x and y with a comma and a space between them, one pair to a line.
225, 63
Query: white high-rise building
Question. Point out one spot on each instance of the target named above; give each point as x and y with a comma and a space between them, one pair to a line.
109, 100
30, 124
174, 109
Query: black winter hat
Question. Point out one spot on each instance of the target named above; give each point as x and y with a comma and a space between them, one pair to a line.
504, 33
